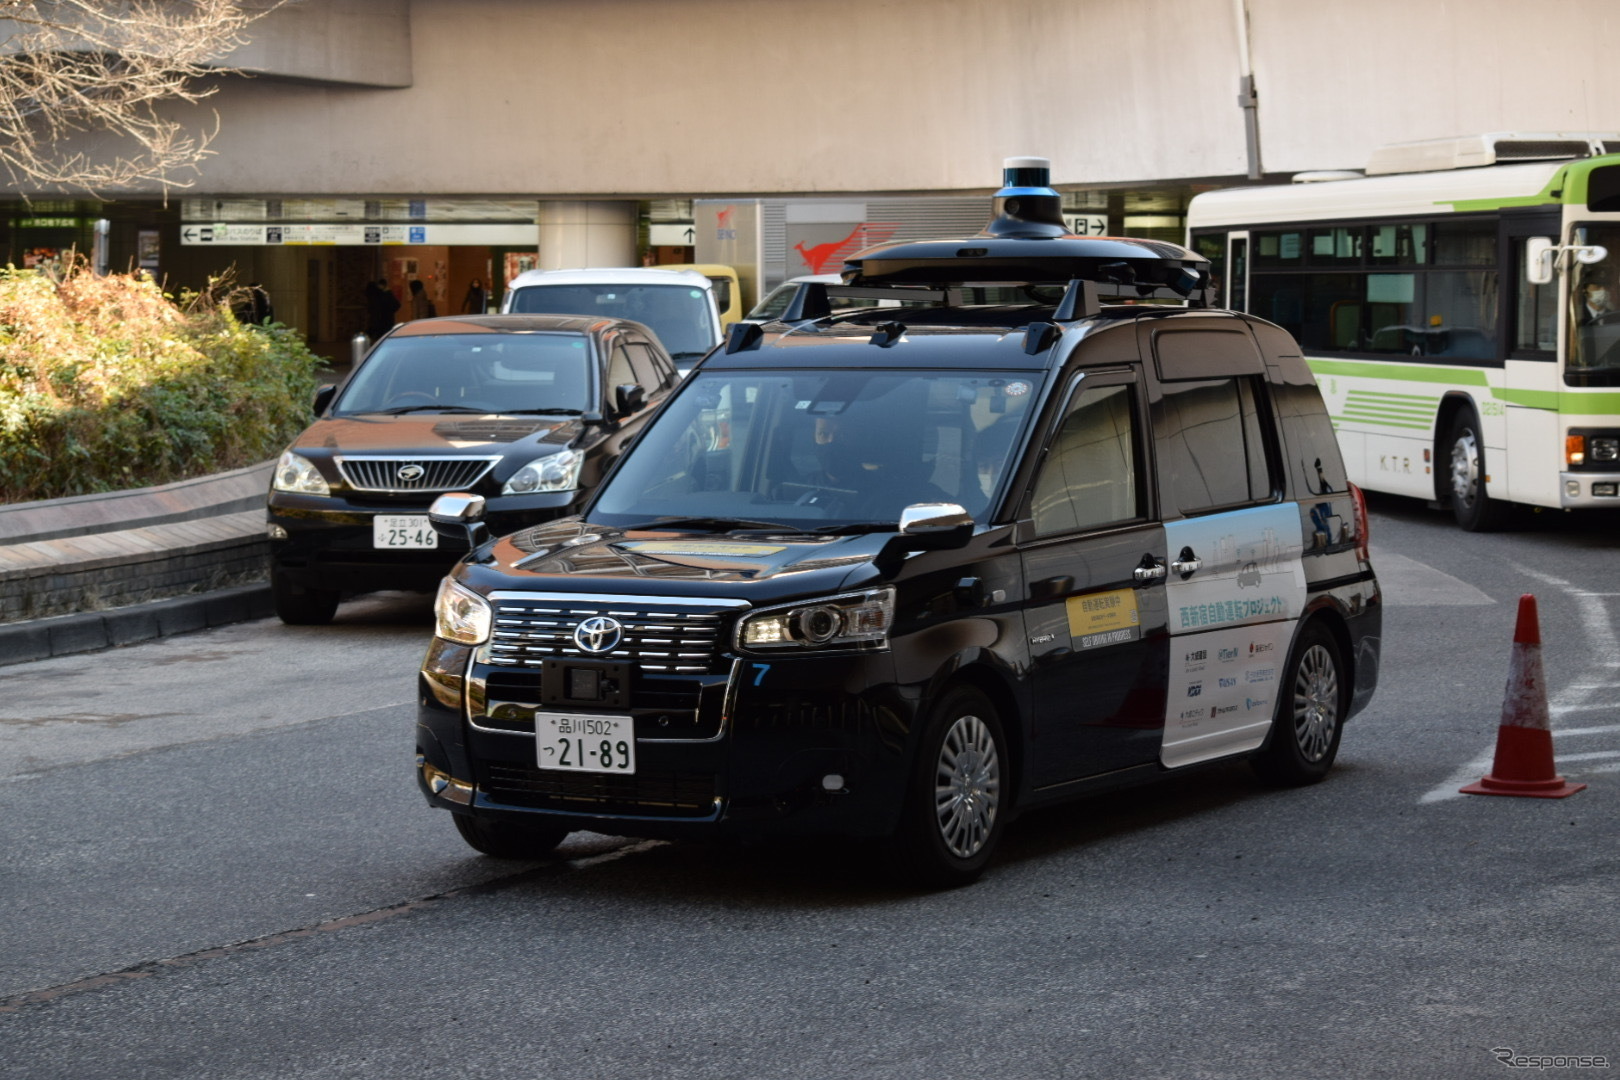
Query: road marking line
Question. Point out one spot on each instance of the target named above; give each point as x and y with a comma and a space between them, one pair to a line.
1466, 774
1585, 730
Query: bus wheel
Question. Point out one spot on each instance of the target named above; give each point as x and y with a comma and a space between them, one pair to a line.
1473, 508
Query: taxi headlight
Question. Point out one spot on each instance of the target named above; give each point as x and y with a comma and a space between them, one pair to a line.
554, 472
854, 621
297, 473
461, 615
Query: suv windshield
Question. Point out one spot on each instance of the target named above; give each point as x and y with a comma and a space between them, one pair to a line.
494, 373
812, 449
678, 314
1594, 323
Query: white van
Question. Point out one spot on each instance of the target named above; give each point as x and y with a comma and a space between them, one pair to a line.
677, 305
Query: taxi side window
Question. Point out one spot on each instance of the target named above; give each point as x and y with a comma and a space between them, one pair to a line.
1090, 477
1212, 452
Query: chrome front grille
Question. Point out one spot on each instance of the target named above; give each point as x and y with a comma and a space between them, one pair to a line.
658, 634
413, 473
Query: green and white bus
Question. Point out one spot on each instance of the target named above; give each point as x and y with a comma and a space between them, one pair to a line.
1460, 308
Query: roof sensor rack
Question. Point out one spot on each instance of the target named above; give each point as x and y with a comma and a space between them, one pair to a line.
1025, 243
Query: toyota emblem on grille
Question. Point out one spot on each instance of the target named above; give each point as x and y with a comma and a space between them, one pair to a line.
409, 473
598, 634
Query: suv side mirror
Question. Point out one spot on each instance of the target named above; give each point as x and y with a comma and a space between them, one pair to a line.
935, 525
323, 397
630, 398
458, 515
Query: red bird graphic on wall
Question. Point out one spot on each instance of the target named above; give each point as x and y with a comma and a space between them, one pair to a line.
833, 254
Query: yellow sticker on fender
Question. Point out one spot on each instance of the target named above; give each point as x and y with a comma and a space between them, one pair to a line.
1103, 618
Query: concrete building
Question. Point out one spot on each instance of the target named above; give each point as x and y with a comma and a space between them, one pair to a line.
449, 140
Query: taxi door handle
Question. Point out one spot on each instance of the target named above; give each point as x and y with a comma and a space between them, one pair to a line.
1148, 571
1187, 564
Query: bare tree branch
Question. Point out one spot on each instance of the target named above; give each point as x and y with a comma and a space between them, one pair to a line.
73, 69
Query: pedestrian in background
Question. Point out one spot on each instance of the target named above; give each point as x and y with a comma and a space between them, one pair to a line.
474, 304
421, 306
381, 307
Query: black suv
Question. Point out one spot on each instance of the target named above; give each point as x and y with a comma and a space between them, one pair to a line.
527, 410
907, 580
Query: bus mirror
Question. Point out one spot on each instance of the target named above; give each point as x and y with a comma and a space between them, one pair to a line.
1587, 254
1539, 254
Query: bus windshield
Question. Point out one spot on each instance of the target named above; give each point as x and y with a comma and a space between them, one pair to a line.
1594, 297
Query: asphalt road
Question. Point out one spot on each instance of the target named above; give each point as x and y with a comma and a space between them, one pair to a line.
215, 864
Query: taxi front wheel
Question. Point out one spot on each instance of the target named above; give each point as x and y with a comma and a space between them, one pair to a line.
956, 806
1310, 715
509, 839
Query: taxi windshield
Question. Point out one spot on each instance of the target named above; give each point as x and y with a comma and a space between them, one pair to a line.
679, 314
819, 449
1594, 299
490, 373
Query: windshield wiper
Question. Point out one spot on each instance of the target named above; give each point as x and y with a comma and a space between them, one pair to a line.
713, 524
432, 408
851, 528
541, 412
688, 355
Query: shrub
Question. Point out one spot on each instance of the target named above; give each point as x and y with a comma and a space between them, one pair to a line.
105, 383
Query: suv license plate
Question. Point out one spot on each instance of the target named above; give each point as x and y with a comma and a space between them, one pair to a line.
594, 744
403, 531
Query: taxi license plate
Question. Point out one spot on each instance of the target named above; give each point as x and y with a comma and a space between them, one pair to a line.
593, 744
402, 531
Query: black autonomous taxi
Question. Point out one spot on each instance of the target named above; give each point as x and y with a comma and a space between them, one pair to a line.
905, 580
527, 410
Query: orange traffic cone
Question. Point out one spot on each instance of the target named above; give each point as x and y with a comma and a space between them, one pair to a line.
1524, 750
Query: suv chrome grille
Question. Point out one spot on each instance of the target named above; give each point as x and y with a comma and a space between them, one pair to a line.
413, 474
659, 635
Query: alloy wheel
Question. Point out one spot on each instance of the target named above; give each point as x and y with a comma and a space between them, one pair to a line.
1316, 703
967, 786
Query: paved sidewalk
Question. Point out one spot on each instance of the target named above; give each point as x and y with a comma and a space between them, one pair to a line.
110, 569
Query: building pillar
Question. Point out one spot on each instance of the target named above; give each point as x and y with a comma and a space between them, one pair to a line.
575, 235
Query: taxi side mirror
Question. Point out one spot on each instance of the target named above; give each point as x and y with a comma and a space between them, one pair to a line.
459, 515
935, 525
323, 397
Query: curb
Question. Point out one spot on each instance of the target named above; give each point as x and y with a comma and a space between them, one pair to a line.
90, 631
230, 492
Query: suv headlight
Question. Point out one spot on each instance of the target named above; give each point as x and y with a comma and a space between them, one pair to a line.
554, 472
461, 615
853, 621
297, 473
